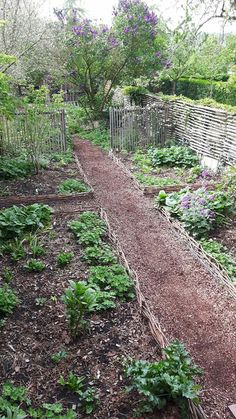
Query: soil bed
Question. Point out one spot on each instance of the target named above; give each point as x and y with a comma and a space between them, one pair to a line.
179, 175
33, 333
44, 183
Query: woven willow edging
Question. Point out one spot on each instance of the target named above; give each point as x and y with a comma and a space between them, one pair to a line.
196, 412
208, 261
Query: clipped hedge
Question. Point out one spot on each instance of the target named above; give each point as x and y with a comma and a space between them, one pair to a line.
222, 92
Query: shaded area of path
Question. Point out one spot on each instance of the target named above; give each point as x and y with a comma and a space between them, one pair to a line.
189, 303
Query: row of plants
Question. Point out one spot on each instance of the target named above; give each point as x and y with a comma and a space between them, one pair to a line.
106, 283
203, 212
168, 166
57, 174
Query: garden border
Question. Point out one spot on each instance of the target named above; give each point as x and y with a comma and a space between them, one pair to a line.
196, 412
7, 201
210, 263
152, 190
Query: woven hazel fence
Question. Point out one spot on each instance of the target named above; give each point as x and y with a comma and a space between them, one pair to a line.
209, 131
40, 132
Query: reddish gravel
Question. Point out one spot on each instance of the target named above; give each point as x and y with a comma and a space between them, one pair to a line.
189, 303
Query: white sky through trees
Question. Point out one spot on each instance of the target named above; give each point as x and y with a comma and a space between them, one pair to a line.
102, 9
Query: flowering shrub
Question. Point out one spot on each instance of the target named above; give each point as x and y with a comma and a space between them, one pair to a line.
99, 57
200, 211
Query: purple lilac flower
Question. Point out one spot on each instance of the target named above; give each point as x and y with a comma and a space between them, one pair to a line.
167, 63
158, 54
126, 29
202, 201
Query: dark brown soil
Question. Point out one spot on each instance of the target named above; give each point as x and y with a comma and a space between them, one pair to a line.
177, 174
190, 304
44, 183
227, 236
33, 333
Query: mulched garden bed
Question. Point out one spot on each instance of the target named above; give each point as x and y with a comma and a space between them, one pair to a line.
44, 183
34, 332
179, 175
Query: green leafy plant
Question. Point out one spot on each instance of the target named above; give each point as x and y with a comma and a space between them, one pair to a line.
16, 249
63, 158
172, 378
155, 181
87, 394
200, 211
112, 278
8, 300
15, 168
70, 186
89, 228
99, 255
174, 156
7, 275
34, 265
35, 247
64, 258
221, 254
11, 399
16, 221
79, 298
40, 301
58, 356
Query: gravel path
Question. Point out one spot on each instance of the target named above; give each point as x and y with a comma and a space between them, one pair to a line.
189, 303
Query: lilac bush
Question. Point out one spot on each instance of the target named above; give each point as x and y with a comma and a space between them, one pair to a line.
101, 57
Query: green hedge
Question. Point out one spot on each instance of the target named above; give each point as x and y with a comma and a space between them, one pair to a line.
211, 103
222, 92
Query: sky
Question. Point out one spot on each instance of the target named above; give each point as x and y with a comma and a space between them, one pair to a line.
102, 9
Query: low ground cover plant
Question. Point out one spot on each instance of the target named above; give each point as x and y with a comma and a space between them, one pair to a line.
34, 265
221, 254
15, 404
18, 220
89, 229
58, 356
15, 168
8, 300
87, 393
174, 156
99, 255
156, 181
200, 211
70, 186
7, 275
64, 258
112, 278
171, 379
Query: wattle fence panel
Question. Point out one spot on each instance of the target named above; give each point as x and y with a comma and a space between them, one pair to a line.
209, 131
